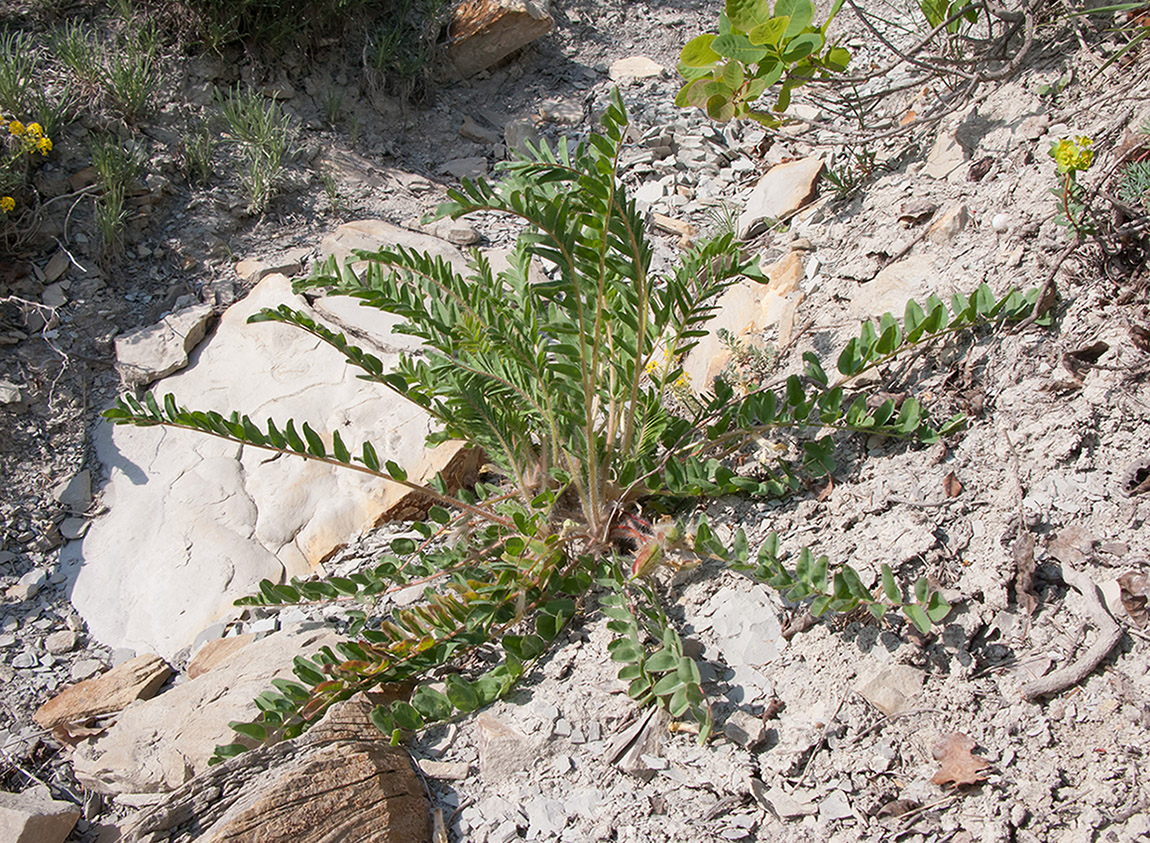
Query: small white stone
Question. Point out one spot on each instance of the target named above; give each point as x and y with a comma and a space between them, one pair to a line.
1000, 223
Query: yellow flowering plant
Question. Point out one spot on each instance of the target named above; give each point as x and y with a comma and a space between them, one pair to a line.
18, 143
1073, 156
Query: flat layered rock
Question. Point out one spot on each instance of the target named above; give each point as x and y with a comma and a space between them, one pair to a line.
35, 817
744, 312
158, 745
154, 352
135, 679
782, 191
194, 522
331, 784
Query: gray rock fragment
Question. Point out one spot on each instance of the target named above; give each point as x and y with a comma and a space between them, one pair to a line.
34, 817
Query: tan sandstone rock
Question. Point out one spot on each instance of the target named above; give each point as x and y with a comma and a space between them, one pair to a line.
744, 311
35, 817
157, 745
215, 653
484, 32
206, 520
336, 782
136, 679
783, 190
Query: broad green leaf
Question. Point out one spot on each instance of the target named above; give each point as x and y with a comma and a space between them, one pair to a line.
688, 671
889, 586
733, 75
921, 590
937, 608
838, 59
339, 450
698, 52
918, 617
668, 685
802, 46
315, 444
431, 704
820, 605
623, 650
406, 716
910, 416
662, 662
800, 12
720, 108
745, 15
462, 693
250, 730
738, 47
230, 750
769, 33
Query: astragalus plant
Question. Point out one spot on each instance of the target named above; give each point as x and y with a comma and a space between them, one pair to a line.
563, 380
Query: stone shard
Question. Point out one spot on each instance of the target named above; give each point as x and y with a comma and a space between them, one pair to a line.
913, 277
215, 653
946, 156
783, 190
893, 689
35, 817
635, 67
207, 520
949, 225
484, 32
75, 493
325, 786
518, 133
503, 749
147, 354
158, 745
745, 729
744, 311
135, 679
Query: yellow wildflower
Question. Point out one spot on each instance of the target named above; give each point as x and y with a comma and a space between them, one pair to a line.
35, 129
1073, 155
16, 128
44, 145
7, 204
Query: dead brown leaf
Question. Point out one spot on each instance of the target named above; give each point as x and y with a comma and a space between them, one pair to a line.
979, 169
958, 766
1023, 552
897, 807
1072, 546
1140, 336
1134, 589
952, 486
73, 734
1080, 359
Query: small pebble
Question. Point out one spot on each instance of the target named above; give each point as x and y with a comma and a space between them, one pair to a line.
1000, 223
85, 669
61, 642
